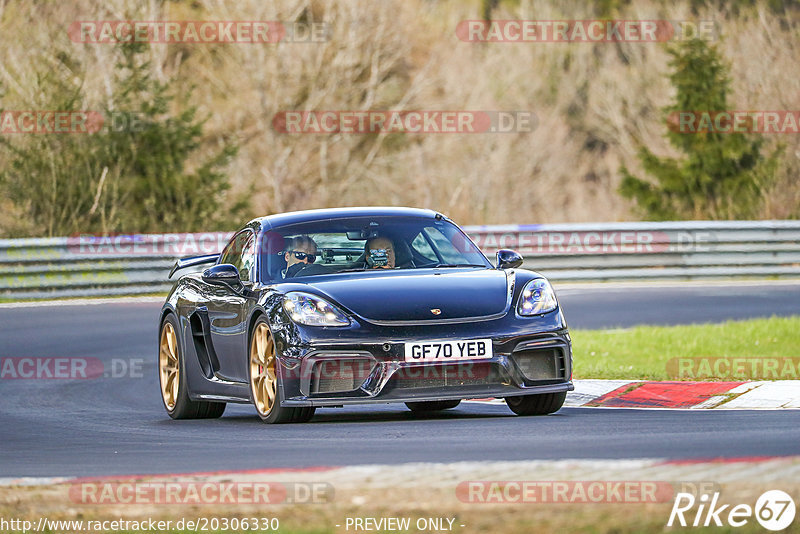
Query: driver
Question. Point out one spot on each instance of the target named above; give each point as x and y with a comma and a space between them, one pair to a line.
300, 251
380, 253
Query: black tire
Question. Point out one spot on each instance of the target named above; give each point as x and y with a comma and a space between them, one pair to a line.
432, 406
184, 407
304, 415
541, 404
275, 413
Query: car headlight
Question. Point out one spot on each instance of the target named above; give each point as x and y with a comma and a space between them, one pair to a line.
311, 310
537, 297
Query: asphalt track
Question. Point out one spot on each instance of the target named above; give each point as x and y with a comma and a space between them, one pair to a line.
117, 425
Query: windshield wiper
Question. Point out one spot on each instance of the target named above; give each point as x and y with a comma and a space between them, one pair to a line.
439, 265
436, 266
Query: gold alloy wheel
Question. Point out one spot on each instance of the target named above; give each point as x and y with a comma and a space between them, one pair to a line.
263, 381
168, 365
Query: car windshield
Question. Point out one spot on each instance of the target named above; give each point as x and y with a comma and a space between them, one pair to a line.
365, 244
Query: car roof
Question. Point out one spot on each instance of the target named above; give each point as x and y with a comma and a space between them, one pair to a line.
293, 217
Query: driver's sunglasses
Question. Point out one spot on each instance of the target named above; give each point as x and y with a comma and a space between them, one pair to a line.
303, 255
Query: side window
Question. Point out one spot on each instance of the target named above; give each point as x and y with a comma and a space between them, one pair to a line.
444, 246
240, 252
423, 248
248, 258
229, 252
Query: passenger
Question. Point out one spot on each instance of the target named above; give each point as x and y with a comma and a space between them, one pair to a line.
380, 253
300, 251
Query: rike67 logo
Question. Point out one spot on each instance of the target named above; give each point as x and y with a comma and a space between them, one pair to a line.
774, 510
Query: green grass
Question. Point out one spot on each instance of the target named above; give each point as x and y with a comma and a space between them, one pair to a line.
643, 352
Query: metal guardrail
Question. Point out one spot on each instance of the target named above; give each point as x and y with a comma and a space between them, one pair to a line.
140, 264
97, 265
641, 251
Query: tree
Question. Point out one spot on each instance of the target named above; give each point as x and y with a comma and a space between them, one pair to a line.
153, 148
134, 175
723, 175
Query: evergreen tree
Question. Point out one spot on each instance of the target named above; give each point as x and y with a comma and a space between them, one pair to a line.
723, 175
132, 175
152, 150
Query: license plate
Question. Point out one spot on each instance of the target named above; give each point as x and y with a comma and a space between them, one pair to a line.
445, 351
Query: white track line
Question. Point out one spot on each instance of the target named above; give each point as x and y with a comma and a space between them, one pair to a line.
655, 284
757, 395
80, 302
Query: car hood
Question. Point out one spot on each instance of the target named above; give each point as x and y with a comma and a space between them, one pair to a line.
416, 295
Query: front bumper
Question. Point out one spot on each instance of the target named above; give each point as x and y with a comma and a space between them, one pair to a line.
366, 364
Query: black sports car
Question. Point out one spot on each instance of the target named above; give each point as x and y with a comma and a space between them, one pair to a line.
359, 305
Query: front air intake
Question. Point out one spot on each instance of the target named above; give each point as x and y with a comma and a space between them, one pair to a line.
541, 364
339, 375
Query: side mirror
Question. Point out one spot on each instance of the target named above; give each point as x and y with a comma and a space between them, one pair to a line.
508, 259
224, 273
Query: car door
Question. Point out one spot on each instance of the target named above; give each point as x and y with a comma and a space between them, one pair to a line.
227, 310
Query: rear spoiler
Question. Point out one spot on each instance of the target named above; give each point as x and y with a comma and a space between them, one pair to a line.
192, 261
